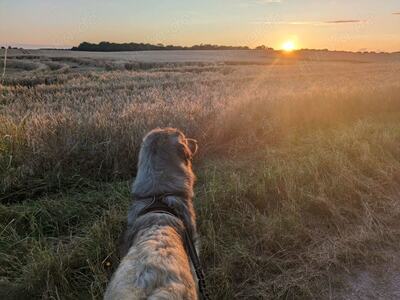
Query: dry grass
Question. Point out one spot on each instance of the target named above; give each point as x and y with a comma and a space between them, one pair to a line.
299, 172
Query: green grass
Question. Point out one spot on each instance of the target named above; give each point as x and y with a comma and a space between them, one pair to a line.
298, 173
282, 225
276, 226
59, 245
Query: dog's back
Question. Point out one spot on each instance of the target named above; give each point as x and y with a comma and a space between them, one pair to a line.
156, 267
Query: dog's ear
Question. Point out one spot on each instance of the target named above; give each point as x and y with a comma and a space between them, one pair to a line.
192, 146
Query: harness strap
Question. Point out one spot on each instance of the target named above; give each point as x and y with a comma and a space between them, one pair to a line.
194, 257
157, 206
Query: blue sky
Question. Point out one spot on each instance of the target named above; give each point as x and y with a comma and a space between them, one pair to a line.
340, 24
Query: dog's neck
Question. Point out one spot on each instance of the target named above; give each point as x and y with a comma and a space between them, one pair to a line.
177, 186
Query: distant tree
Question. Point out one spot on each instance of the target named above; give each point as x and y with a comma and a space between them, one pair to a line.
2, 47
263, 47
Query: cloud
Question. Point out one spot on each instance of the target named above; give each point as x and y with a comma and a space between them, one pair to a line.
396, 13
310, 23
343, 21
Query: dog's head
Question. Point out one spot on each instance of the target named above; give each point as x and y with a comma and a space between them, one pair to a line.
165, 163
168, 145
167, 149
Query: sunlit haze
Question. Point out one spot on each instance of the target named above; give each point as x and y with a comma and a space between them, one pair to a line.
365, 25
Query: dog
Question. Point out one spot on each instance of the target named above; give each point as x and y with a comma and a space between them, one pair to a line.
156, 264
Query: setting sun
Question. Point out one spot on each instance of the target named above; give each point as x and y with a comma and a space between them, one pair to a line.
288, 46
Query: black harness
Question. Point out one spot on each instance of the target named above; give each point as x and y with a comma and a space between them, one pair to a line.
158, 205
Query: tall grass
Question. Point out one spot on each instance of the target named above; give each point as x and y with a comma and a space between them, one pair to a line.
298, 172
4, 64
277, 223
92, 123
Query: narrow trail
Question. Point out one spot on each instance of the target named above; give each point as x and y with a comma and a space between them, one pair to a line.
374, 282
380, 280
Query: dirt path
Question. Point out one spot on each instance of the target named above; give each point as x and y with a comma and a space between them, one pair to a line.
373, 282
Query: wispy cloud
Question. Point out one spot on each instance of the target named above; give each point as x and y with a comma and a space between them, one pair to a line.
310, 23
343, 21
396, 13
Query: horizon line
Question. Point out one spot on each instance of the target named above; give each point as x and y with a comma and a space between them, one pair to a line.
69, 47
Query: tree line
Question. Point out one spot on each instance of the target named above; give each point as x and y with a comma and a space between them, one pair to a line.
108, 47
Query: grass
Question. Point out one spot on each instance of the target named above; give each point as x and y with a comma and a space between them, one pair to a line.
298, 174
53, 237
302, 211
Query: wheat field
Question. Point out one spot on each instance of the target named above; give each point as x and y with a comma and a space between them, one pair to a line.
298, 171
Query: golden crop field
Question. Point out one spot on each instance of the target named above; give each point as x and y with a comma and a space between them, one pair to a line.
298, 171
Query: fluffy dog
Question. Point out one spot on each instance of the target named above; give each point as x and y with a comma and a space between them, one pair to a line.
155, 263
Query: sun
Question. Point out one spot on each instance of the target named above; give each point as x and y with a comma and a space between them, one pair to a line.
288, 46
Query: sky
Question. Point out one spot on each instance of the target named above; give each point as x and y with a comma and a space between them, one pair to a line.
356, 25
